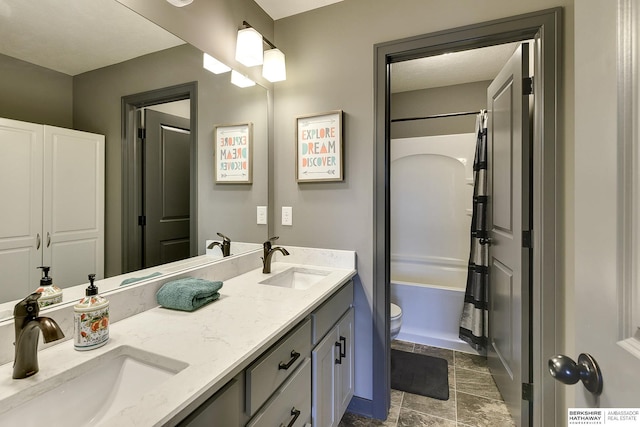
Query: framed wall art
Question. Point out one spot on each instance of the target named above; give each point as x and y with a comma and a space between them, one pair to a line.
319, 147
233, 153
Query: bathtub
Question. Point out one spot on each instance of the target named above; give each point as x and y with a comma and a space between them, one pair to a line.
430, 311
431, 206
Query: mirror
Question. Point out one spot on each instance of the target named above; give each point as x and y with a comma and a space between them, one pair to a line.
90, 99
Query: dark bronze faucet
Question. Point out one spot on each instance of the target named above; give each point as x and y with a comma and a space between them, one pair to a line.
225, 246
27, 325
268, 252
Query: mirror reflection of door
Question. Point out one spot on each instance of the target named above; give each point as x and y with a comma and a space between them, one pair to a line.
165, 188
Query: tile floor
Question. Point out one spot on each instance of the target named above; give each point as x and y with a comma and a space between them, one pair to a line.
474, 400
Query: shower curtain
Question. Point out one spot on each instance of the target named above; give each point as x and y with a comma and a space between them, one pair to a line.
473, 321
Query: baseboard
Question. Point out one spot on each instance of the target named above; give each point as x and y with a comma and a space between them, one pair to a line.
361, 406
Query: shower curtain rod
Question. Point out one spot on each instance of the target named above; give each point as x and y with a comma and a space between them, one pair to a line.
437, 116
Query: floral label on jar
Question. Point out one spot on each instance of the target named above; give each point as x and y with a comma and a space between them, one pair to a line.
91, 329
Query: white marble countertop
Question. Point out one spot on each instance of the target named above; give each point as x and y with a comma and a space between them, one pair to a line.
217, 342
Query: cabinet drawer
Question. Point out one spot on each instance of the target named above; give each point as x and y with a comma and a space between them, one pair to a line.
269, 371
328, 313
291, 401
223, 409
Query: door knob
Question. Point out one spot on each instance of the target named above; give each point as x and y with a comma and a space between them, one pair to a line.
565, 370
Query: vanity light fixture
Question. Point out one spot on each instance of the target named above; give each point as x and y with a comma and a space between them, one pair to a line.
249, 52
249, 47
274, 68
240, 80
212, 64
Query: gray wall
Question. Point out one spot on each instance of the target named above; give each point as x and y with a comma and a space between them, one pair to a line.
229, 209
35, 94
330, 66
439, 100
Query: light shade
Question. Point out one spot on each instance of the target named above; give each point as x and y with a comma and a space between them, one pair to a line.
274, 68
240, 80
249, 47
180, 3
212, 64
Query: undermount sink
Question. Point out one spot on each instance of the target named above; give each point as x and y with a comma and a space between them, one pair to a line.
296, 278
91, 392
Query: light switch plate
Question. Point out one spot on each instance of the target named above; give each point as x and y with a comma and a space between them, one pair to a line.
262, 214
287, 215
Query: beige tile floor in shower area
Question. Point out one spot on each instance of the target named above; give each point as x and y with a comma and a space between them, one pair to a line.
474, 399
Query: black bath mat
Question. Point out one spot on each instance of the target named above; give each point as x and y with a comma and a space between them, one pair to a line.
419, 374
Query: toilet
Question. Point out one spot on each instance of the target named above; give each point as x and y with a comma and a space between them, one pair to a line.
396, 320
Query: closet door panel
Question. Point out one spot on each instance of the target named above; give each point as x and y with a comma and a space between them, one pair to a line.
21, 162
73, 205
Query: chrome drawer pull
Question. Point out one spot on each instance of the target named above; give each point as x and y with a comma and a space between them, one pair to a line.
296, 414
38, 241
294, 357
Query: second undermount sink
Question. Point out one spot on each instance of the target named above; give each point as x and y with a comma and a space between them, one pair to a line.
91, 392
296, 278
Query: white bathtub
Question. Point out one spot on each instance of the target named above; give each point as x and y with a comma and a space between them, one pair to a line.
431, 204
430, 312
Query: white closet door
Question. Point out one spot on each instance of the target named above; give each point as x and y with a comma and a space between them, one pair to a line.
73, 205
21, 164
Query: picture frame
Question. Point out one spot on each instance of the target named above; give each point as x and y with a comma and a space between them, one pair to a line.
319, 147
233, 153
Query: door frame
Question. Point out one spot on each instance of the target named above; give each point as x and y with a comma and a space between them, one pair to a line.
545, 27
131, 174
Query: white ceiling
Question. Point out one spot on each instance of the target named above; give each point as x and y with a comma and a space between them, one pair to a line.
278, 9
451, 68
75, 36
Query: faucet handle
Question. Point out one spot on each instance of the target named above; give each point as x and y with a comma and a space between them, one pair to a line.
28, 306
224, 238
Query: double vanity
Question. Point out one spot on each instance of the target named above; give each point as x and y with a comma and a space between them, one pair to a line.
274, 349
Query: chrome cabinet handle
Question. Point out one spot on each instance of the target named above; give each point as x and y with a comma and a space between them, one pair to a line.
38, 241
294, 357
295, 413
565, 370
48, 239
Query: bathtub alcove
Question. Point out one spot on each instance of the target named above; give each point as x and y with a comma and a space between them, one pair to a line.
431, 205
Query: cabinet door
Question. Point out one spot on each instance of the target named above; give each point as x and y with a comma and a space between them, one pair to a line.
73, 205
21, 162
324, 381
223, 409
346, 367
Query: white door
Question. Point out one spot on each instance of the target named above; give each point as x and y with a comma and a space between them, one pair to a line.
21, 215
508, 182
73, 241
599, 301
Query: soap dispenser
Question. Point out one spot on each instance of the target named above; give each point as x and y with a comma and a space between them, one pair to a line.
91, 319
51, 294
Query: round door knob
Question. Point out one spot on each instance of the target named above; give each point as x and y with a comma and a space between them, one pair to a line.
565, 370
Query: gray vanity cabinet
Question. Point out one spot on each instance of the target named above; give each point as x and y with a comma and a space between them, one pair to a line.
332, 359
224, 409
290, 384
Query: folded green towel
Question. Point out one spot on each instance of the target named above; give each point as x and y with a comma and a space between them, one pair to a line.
188, 293
131, 280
